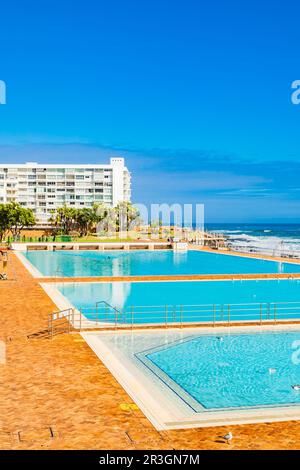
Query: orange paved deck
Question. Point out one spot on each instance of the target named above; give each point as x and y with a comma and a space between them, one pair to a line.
58, 395
192, 277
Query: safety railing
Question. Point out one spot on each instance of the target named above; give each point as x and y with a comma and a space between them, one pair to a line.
102, 304
103, 315
61, 322
281, 251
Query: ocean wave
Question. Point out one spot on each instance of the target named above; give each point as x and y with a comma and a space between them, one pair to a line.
269, 239
232, 231
264, 243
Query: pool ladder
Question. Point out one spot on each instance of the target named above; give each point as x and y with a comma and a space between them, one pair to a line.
119, 316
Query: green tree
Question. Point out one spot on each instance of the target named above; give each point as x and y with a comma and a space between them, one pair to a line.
105, 218
85, 219
106, 221
19, 218
100, 210
4, 221
127, 216
64, 218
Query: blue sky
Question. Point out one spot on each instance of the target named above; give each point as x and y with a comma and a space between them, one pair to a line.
195, 94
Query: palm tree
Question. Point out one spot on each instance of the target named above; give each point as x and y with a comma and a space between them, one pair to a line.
64, 218
127, 216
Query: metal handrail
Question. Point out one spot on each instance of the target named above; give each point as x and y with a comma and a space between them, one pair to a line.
66, 314
108, 305
105, 315
118, 313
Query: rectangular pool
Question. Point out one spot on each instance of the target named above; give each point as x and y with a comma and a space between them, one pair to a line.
146, 263
187, 378
187, 301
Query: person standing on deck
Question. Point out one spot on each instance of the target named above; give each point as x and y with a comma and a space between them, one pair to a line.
4, 260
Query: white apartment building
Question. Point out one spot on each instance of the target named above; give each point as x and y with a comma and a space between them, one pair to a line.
43, 188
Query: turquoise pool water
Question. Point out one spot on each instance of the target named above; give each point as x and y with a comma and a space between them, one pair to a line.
144, 262
240, 371
154, 296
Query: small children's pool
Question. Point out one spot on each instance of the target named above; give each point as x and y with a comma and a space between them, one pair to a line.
231, 370
187, 378
146, 263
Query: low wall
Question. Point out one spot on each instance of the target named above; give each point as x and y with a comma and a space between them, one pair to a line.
53, 246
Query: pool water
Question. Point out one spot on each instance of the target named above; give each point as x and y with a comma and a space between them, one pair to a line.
146, 263
240, 370
150, 298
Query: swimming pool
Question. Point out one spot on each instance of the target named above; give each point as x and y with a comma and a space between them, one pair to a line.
247, 376
241, 370
188, 301
146, 263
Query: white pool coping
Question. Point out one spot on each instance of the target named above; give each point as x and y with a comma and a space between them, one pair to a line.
56, 296
29, 266
164, 409
62, 303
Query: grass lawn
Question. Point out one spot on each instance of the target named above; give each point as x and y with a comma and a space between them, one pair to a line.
103, 240
89, 239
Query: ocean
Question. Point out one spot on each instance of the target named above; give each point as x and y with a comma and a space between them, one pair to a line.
273, 239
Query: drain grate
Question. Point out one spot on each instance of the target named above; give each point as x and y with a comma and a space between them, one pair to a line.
37, 434
143, 436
